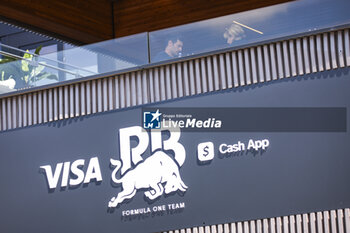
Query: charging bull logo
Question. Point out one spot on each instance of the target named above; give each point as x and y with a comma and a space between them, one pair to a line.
152, 173
158, 174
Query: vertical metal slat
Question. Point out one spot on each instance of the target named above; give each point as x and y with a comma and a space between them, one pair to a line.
186, 79
99, 95
179, 80
340, 217
247, 67
60, 103
156, 85
286, 59
105, 94
292, 224
222, 72
145, 90
261, 64
233, 228
239, 227
88, 97
319, 222
333, 51
228, 71
216, 72
340, 49
273, 61
305, 223
306, 55
226, 228
118, 93
168, 82
35, 108
139, 88
347, 46
151, 85
241, 68
174, 78
9, 113
55, 104
71, 101
312, 223
320, 52
347, 220
66, 102
77, 99
3, 114
313, 54
299, 224
279, 60
14, 112
120, 100
333, 222
162, 84
20, 112
1, 117
30, 109
266, 63
252, 227
253, 65
111, 103
292, 58
234, 69
211, 84
285, 224
82, 99
272, 225
299, 52
127, 90
49, 101
203, 75
45, 107
40, 107
197, 77
326, 52
326, 221
25, 111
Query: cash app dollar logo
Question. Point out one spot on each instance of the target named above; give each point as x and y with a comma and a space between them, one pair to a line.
205, 151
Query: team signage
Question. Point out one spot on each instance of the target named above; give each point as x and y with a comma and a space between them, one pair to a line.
155, 168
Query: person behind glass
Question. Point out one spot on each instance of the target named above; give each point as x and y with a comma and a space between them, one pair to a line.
172, 50
233, 33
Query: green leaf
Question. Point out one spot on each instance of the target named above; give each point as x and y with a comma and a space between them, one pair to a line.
11, 69
37, 50
25, 62
7, 59
46, 75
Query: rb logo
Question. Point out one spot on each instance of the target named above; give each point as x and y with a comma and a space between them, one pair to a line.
155, 175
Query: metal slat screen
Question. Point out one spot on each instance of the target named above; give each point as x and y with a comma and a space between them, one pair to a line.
334, 221
263, 63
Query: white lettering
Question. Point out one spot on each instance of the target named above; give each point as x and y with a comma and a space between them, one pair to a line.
217, 124
125, 135
52, 179
93, 171
65, 174
191, 122
258, 144
77, 172
224, 148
